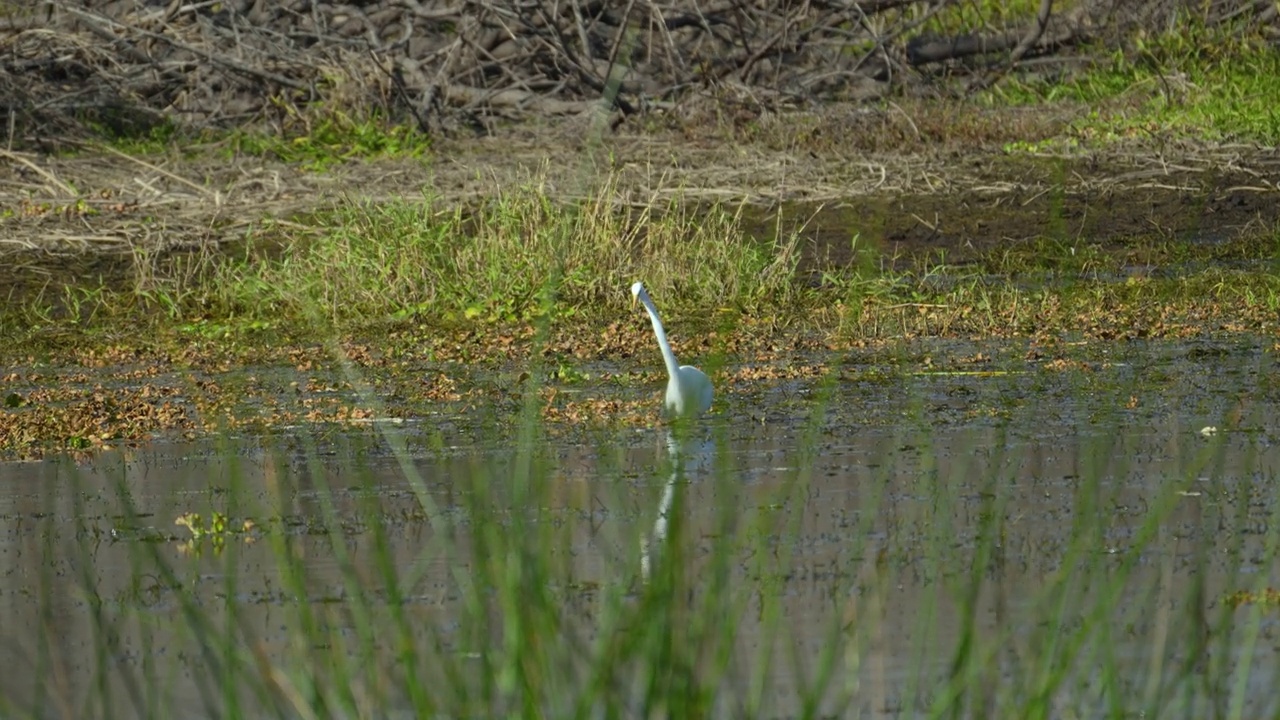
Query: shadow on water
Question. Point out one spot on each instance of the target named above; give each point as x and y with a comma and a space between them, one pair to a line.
1064, 559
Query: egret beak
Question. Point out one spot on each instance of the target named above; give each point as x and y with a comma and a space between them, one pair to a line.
634, 299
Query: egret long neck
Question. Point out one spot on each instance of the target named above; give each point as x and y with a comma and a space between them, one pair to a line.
668, 357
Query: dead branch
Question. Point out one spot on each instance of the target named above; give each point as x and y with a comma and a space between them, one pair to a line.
127, 64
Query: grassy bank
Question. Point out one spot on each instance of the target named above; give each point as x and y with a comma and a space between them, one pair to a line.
451, 309
419, 266
1207, 85
565, 245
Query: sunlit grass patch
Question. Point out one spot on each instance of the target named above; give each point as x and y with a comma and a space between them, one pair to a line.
316, 141
942, 302
517, 256
964, 17
471, 281
1268, 598
1211, 85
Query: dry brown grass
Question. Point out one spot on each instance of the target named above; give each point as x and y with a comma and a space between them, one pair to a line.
103, 201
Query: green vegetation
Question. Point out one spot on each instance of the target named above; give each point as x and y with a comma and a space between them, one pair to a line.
157, 139
1214, 85
16, 9
316, 141
408, 282
368, 268
961, 17
362, 264
319, 142
423, 275
367, 262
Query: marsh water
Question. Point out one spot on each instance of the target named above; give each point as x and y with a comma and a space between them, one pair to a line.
1000, 527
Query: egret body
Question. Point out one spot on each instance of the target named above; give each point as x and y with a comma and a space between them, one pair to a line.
689, 389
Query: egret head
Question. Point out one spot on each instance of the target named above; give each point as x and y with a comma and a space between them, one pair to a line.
636, 289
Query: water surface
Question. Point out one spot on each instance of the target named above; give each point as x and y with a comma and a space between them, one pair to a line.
993, 527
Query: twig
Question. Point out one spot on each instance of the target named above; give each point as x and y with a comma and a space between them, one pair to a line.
198, 188
1034, 34
212, 57
39, 171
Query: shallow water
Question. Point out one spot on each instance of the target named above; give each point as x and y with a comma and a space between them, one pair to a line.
900, 520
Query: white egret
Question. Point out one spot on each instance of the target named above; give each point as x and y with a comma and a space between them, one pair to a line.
689, 390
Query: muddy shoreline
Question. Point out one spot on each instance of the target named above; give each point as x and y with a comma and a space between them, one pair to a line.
82, 222
86, 216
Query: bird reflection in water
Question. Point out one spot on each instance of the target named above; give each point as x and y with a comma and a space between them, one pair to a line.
690, 458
